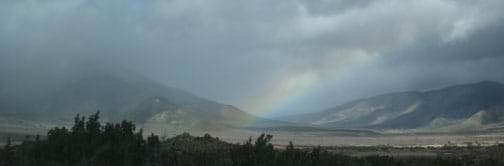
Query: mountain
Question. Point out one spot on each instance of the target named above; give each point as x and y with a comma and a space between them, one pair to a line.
456, 108
26, 102
33, 102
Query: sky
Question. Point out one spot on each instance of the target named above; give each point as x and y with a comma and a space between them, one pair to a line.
269, 58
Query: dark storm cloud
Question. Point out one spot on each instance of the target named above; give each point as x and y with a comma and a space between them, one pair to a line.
239, 51
483, 44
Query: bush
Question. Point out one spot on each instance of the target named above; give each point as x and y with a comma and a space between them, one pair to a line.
90, 143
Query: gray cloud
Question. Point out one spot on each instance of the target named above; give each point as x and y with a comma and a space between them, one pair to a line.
242, 51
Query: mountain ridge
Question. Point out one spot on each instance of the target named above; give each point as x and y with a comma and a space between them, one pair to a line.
123, 95
413, 109
118, 94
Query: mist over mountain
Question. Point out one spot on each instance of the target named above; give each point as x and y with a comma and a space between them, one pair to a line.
191, 64
305, 54
465, 107
28, 105
349, 82
118, 94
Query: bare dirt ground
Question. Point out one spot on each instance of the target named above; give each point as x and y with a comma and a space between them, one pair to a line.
395, 145
327, 139
312, 139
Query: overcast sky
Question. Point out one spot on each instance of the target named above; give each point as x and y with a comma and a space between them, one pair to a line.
268, 57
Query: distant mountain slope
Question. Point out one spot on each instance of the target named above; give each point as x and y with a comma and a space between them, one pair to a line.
119, 95
459, 107
33, 102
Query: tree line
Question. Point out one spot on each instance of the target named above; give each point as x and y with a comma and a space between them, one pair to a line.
91, 143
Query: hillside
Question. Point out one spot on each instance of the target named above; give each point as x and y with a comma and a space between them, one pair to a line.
456, 108
118, 95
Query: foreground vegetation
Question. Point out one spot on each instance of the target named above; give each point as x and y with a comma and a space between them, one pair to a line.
90, 143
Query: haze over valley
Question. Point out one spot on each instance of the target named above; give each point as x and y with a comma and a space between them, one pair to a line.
251, 82
331, 73
452, 113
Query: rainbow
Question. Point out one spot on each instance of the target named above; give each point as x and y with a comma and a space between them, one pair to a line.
282, 92
286, 89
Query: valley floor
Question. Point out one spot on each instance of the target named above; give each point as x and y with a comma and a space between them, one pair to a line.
308, 139
281, 139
